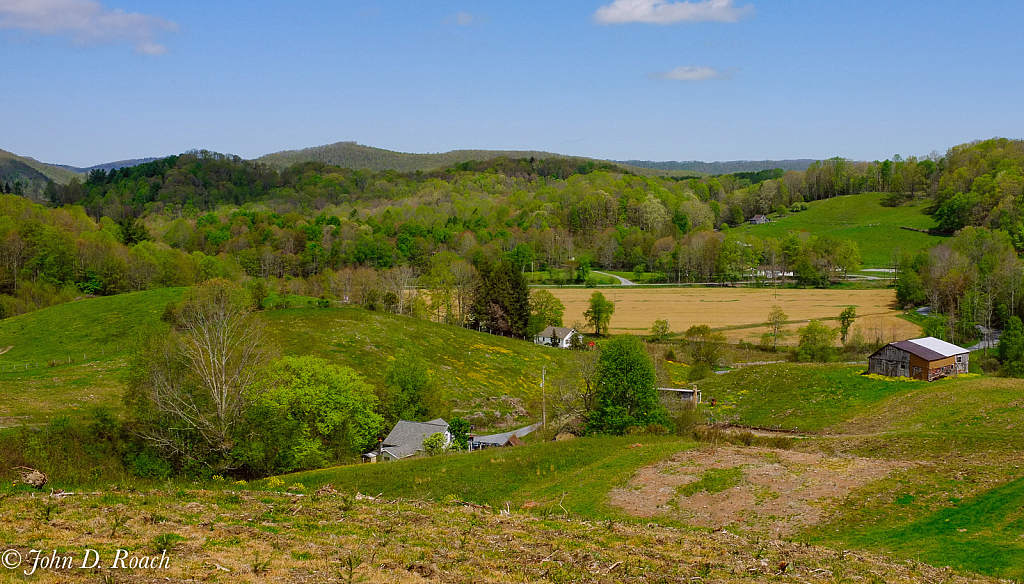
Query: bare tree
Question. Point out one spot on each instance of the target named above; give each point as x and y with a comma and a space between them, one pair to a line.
464, 279
398, 280
572, 391
199, 382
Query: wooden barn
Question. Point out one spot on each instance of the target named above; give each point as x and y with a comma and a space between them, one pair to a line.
926, 359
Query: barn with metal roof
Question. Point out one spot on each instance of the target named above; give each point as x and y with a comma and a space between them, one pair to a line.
926, 359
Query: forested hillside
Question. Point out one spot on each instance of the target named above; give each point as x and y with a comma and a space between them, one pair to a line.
976, 278
178, 220
27, 177
318, 229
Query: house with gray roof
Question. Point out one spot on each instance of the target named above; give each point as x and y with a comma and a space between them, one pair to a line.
511, 438
406, 439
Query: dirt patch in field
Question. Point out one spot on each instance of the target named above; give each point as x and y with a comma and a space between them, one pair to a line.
779, 491
4, 350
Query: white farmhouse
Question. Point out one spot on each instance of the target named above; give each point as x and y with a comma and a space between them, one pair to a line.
556, 336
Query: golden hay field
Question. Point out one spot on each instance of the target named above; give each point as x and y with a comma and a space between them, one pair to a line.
745, 309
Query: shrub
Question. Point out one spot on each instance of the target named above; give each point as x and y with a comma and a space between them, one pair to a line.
698, 371
656, 430
165, 542
816, 342
434, 444
149, 465
684, 415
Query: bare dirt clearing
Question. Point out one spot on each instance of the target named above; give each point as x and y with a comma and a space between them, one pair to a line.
779, 491
636, 309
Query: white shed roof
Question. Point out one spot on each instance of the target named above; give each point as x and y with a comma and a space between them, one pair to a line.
939, 346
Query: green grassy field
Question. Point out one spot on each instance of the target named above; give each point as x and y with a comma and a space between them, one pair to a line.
875, 228
545, 277
804, 397
97, 335
74, 354
577, 474
981, 533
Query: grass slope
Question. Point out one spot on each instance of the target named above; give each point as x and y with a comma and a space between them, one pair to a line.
862, 218
980, 533
791, 396
468, 365
97, 334
577, 474
961, 503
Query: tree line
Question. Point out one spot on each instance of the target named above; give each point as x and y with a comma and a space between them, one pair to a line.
183, 219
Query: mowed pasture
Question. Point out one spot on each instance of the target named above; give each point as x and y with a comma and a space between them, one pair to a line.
739, 312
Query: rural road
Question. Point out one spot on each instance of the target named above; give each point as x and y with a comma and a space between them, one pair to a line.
621, 280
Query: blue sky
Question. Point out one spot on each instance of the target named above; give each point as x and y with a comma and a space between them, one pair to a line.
86, 81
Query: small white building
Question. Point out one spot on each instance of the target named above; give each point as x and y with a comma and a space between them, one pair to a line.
556, 336
681, 394
759, 220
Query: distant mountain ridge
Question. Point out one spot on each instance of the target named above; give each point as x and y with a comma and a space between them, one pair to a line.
108, 166
353, 155
724, 167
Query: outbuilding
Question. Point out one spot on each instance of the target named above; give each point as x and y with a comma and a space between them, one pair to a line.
926, 359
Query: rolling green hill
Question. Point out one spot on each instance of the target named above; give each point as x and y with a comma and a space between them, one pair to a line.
97, 334
862, 218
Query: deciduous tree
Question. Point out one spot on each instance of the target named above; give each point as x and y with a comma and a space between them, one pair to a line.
626, 393
599, 314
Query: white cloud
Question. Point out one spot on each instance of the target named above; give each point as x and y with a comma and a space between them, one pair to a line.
462, 19
661, 12
86, 22
693, 74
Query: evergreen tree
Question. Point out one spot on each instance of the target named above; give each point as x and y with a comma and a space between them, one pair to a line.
502, 300
132, 231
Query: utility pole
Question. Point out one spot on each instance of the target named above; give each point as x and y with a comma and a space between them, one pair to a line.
544, 398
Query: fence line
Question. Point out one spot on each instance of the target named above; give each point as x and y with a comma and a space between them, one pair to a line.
15, 367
